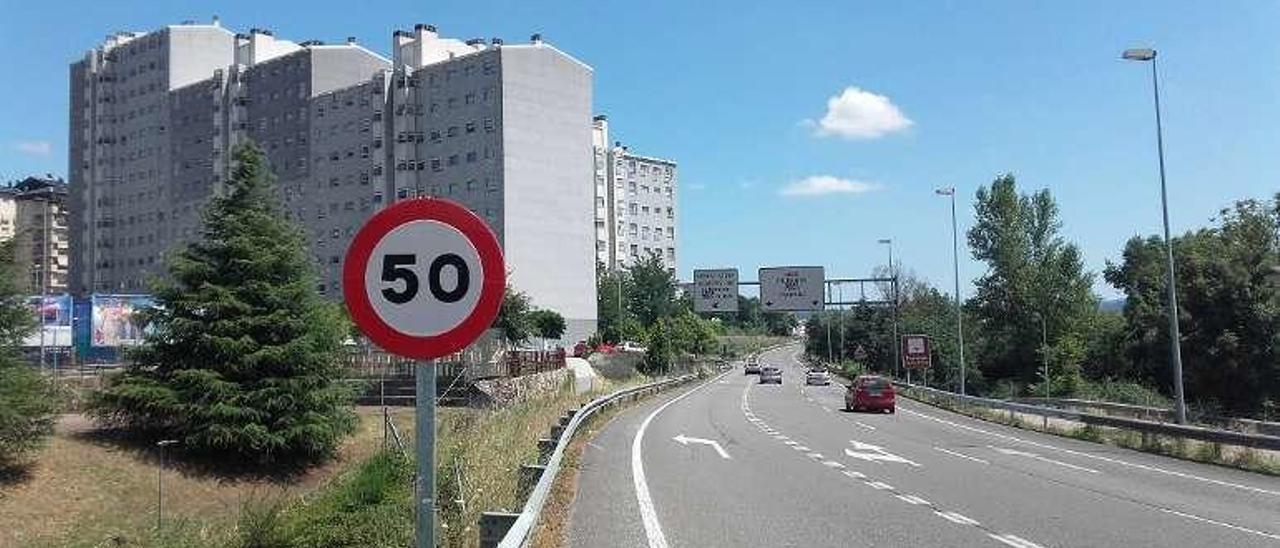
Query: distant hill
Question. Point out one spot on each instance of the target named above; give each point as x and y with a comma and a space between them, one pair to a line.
1111, 305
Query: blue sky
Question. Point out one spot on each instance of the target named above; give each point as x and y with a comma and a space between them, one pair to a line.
944, 93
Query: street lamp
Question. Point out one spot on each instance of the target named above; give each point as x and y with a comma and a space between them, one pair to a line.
162, 444
1175, 350
955, 260
893, 272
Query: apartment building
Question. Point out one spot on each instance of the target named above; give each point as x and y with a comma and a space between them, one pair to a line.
635, 207
34, 213
503, 129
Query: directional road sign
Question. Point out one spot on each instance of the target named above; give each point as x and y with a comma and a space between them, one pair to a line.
424, 278
915, 352
791, 288
715, 290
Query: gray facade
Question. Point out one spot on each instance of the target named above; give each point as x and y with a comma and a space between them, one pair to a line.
502, 129
635, 203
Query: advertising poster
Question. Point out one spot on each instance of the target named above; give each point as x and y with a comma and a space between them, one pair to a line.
114, 322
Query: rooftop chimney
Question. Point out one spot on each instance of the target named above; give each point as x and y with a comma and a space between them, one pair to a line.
600, 118
351, 40
496, 41
536, 38
216, 21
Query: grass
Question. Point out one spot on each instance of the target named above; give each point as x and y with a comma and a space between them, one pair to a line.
1244, 458
90, 490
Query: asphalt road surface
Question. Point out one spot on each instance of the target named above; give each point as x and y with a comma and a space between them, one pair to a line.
735, 463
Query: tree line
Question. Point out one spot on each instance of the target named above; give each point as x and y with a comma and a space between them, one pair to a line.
1035, 304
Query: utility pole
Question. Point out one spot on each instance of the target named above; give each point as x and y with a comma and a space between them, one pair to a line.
955, 258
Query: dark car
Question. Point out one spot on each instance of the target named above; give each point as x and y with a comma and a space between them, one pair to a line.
870, 393
770, 374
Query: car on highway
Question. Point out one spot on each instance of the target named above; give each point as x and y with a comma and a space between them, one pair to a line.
631, 346
752, 366
819, 377
770, 374
870, 393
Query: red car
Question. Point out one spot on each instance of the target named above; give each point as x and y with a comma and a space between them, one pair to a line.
870, 393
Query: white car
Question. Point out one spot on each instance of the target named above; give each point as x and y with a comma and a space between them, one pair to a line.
631, 346
817, 376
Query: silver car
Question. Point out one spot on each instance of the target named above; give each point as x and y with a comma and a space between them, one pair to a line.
752, 367
770, 374
818, 377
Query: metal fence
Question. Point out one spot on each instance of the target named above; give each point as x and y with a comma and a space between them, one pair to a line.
1199, 433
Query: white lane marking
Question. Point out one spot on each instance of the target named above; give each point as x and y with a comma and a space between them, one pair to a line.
1110, 460
875, 453
592, 444
649, 516
956, 517
832, 464
800, 448
780, 437
1030, 455
967, 457
855, 475
791, 442
865, 425
879, 485
1222, 524
912, 499
686, 440
1015, 541
816, 456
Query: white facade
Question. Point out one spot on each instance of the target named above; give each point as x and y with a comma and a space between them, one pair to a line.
635, 203
502, 129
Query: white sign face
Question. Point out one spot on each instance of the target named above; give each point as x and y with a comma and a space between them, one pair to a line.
792, 288
715, 290
424, 278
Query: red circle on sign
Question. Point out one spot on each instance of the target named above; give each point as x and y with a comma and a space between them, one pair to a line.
424, 209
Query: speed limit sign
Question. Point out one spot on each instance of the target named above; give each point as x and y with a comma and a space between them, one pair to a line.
423, 278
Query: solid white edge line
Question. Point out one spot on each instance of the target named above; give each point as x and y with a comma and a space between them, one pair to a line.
1148, 468
966, 457
955, 517
1221, 524
648, 515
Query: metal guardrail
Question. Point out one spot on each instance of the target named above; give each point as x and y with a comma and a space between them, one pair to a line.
1199, 433
520, 534
1238, 424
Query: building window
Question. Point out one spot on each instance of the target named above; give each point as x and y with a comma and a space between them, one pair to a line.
633, 208
453, 159
471, 127
435, 164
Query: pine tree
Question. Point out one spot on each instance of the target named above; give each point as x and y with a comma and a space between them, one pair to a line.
27, 400
241, 354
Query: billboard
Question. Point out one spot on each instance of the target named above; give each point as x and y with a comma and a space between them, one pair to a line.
113, 320
53, 321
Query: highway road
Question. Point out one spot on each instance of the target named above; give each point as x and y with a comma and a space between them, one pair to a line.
734, 463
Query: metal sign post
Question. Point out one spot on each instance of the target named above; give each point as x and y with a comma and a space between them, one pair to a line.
424, 278
425, 447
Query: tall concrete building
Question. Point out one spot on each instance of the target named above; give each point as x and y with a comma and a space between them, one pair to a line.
33, 213
503, 129
635, 203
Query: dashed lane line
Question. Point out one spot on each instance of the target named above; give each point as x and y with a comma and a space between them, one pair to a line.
961, 455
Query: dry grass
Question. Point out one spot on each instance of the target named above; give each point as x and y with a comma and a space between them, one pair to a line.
88, 490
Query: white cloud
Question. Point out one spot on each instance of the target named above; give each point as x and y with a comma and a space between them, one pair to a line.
859, 114
34, 148
820, 185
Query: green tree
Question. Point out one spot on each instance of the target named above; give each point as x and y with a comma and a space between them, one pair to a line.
1031, 271
691, 334
652, 291
658, 355
1229, 311
611, 291
514, 318
243, 356
548, 324
28, 401
779, 324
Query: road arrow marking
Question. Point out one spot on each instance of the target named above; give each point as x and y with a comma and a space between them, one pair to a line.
686, 440
1030, 455
875, 453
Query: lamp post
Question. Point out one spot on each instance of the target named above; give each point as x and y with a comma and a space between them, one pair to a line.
955, 259
1175, 350
162, 444
893, 273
